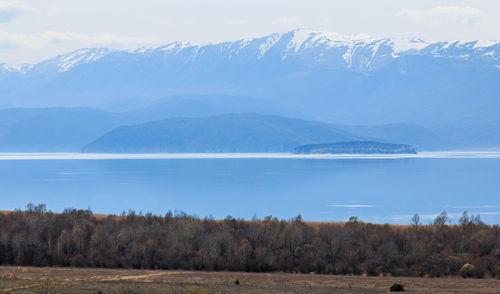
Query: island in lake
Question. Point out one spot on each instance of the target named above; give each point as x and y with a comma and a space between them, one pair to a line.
355, 147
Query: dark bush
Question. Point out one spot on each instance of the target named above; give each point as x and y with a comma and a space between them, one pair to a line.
397, 288
468, 271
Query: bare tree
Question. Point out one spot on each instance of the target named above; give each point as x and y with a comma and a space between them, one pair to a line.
415, 221
442, 219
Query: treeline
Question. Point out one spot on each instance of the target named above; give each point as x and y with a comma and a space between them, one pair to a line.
36, 237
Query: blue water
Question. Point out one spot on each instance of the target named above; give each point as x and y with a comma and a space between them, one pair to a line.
384, 190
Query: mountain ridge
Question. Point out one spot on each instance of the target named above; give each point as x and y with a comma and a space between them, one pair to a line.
234, 132
296, 40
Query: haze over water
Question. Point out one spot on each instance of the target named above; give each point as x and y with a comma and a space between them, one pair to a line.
381, 190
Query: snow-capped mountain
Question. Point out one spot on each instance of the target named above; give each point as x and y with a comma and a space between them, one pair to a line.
313, 48
358, 52
352, 79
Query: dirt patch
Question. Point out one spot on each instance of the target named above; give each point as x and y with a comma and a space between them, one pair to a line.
77, 280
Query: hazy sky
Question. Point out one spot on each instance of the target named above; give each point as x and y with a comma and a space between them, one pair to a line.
31, 30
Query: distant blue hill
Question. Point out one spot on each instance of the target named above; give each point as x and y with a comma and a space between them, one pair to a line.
247, 132
223, 133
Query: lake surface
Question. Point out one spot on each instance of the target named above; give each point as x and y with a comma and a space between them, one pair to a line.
382, 190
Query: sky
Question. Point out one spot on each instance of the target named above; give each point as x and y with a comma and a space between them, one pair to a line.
33, 30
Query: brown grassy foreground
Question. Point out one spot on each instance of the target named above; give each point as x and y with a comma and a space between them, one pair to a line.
78, 280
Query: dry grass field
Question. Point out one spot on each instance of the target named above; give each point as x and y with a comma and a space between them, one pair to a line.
76, 280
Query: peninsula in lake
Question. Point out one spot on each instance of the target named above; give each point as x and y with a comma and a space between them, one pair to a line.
355, 147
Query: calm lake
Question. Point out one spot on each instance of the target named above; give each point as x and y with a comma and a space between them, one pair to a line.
382, 190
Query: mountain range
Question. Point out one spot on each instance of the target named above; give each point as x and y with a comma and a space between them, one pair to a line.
450, 88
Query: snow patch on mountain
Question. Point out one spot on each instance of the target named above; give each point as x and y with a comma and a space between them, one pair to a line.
17, 68
175, 47
484, 43
307, 39
268, 44
70, 60
347, 56
143, 50
403, 45
234, 48
299, 38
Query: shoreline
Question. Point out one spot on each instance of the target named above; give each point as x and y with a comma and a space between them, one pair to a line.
110, 156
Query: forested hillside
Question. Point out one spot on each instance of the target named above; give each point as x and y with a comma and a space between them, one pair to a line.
179, 241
